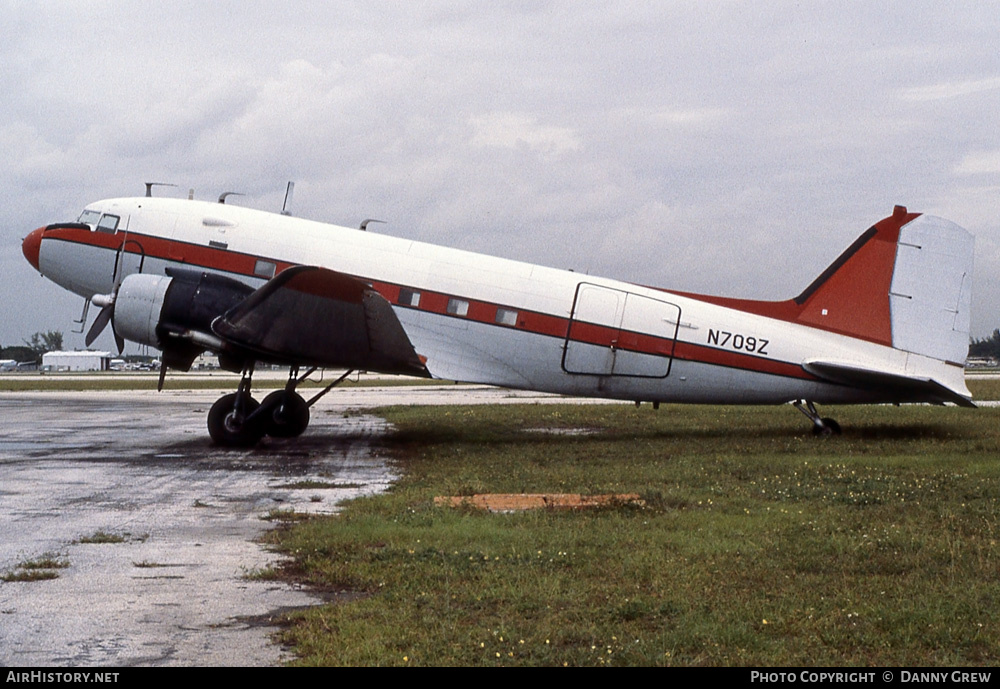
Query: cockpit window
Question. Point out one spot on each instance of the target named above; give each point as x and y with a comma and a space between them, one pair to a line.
89, 217
108, 223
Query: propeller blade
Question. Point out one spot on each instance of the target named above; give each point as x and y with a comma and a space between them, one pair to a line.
119, 340
163, 374
100, 323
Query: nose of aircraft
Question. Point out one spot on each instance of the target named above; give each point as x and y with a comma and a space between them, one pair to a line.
31, 246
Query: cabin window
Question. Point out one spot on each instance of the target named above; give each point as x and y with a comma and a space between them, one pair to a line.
506, 316
264, 269
108, 223
458, 307
408, 297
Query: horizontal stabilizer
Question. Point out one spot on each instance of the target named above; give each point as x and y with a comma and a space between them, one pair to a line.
892, 387
312, 316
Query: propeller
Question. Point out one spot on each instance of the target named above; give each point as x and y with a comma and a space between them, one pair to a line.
107, 304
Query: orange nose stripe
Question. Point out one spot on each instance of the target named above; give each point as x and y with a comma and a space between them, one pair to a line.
31, 245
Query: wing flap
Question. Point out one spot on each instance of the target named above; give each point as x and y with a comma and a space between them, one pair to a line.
895, 387
317, 317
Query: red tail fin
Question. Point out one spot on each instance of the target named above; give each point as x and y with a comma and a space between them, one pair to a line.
851, 296
902, 284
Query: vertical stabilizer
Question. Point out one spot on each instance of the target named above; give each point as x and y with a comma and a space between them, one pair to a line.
906, 283
851, 296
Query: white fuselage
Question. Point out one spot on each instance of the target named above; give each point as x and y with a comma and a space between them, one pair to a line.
491, 320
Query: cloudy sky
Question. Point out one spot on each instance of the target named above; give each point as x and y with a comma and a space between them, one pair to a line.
724, 147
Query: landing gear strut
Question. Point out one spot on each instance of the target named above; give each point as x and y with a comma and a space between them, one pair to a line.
238, 420
821, 426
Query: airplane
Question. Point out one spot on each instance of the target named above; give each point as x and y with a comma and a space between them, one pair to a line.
886, 322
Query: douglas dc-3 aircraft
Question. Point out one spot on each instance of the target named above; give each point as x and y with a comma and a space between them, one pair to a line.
887, 322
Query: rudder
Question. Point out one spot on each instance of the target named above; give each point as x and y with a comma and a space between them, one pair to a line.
931, 293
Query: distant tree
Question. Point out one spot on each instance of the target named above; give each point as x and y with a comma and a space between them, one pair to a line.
49, 341
988, 347
18, 353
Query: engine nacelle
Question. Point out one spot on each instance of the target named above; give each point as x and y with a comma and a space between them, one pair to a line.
138, 307
174, 312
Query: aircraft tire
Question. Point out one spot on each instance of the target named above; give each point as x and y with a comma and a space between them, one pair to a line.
292, 420
226, 429
829, 427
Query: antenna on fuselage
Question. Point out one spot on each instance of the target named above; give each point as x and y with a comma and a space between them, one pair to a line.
223, 195
364, 224
150, 185
286, 208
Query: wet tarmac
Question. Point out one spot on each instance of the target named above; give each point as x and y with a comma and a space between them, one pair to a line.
155, 529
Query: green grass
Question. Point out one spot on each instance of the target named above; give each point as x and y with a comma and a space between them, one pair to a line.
984, 389
759, 545
45, 562
320, 485
101, 536
29, 575
39, 569
285, 516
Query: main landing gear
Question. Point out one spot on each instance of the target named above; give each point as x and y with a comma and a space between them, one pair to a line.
238, 420
821, 426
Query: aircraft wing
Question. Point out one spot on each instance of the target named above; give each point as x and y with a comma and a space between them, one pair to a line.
312, 316
896, 387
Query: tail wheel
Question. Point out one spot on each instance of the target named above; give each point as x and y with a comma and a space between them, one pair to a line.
829, 427
286, 415
227, 421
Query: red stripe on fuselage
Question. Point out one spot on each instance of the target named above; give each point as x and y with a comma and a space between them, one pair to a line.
689, 351
166, 249
607, 336
224, 260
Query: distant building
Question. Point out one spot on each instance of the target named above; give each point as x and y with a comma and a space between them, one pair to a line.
206, 360
76, 361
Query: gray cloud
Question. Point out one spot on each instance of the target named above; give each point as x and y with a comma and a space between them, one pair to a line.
720, 147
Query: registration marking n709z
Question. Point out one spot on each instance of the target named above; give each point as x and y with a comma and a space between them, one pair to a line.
738, 341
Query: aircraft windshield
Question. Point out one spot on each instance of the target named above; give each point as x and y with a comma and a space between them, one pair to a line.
89, 217
108, 223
